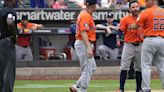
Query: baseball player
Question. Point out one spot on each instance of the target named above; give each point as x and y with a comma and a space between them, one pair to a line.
8, 31
152, 21
85, 37
108, 50
23, 50
132, 46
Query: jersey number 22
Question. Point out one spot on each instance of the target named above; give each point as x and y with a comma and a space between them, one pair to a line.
159, 24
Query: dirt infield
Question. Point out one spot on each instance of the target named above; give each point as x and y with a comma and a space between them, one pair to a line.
49, 73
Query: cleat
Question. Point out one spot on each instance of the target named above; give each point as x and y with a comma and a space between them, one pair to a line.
74, 88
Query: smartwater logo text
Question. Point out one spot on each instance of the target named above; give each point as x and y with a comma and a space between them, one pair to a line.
51, 15
47, 15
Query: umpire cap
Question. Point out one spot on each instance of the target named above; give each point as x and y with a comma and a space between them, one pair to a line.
90, 2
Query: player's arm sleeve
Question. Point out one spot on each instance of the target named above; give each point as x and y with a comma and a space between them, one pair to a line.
84, 23
18, 26
84, 26
20, 29
122, 26
101, 26
141, 19
33, 26
39, 25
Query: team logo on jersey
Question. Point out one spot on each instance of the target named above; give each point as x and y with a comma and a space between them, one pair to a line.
86, 25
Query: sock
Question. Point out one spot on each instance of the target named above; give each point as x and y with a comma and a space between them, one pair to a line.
123, 76
138, 80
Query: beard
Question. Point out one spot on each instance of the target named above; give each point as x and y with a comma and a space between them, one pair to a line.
135, 13
24, 24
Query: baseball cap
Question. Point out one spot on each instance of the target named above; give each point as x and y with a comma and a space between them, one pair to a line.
110, 16
24, 17
90, 2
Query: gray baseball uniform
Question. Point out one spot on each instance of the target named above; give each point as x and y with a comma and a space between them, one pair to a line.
131, 53
151, 20
132, 46
152, 50
108, 53
85, 31
88, 65
23, 53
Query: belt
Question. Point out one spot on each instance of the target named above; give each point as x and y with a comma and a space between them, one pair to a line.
136, 43
24, 46
153, 36
91, 42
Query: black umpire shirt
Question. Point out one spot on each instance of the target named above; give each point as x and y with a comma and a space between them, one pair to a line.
5, 13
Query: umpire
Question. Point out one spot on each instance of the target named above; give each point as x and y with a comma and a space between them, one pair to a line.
8, 31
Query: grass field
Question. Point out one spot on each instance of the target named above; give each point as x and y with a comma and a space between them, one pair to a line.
62, 85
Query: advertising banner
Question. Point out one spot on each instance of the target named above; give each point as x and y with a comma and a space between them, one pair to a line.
66, 15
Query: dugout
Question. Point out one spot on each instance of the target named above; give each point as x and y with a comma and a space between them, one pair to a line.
56, 34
